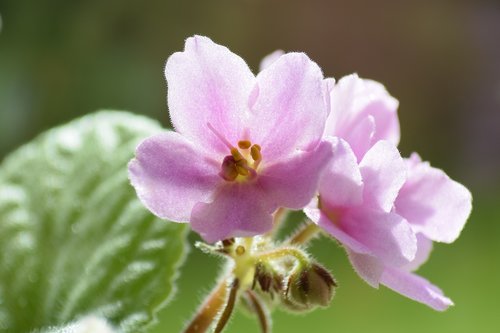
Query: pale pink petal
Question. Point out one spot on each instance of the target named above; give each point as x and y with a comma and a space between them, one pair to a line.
360, 137
292, 182
368, 267
434, 204
387, 236
352, 101
288, 112
312, 210
328, 85
239, 210
413, 161
341, 184
170, 175
424, 249
270, 58
207, 83
331, 227
383, 108
416, 288
384, 173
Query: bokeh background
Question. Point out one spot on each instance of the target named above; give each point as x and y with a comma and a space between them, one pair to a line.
61, 59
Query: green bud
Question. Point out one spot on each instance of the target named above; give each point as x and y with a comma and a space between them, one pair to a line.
309, 287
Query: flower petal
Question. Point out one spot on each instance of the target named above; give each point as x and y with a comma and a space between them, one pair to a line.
424, 249
387, 235
368, 267
238, 210
269, 59
292, 182
384, 173
171, 175
336, 232
290, 101
352, 101
434, 204
360, 137
208, 84
341, 183
416, 288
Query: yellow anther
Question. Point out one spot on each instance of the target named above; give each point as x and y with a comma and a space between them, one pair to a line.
242, 170
236, 154
240, 250
255, 153
243, 163
244, 144
228, 169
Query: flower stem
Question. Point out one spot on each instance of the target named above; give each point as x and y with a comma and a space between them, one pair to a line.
281, 252
260, 310
228, 310
307, 232
209, 310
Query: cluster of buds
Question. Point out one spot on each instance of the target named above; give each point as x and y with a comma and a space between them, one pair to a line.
265, 275
298, 286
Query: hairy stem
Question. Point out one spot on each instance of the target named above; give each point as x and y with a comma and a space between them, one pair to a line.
228, 310
299, 255
209, 310
260, 310
307, 232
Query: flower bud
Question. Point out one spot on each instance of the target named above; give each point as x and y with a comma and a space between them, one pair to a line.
268, 279
308, 288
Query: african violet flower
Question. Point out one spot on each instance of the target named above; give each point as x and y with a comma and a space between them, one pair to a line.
355, 204
243, 145
436, 208
386, 211
362, 113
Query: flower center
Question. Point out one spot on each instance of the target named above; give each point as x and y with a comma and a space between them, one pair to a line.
243, 162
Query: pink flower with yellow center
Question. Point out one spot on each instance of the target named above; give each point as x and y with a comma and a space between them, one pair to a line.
244, 145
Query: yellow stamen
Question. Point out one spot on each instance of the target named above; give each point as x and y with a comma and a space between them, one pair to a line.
242, 170
244, 144
238, 164
255, 153
228, 169
236, 154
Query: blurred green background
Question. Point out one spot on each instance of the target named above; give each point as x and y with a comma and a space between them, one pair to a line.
61, 59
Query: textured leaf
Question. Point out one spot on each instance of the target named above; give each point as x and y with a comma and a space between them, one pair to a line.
74, 239
89, 324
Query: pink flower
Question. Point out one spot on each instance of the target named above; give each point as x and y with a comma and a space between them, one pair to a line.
437, 208
355, 205
431, 204
362, 113
243, 145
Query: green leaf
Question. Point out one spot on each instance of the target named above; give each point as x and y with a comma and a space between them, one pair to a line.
89, 324
74, 239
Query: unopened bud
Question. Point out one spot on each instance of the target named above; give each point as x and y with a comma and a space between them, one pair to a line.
267, 278
309, 287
